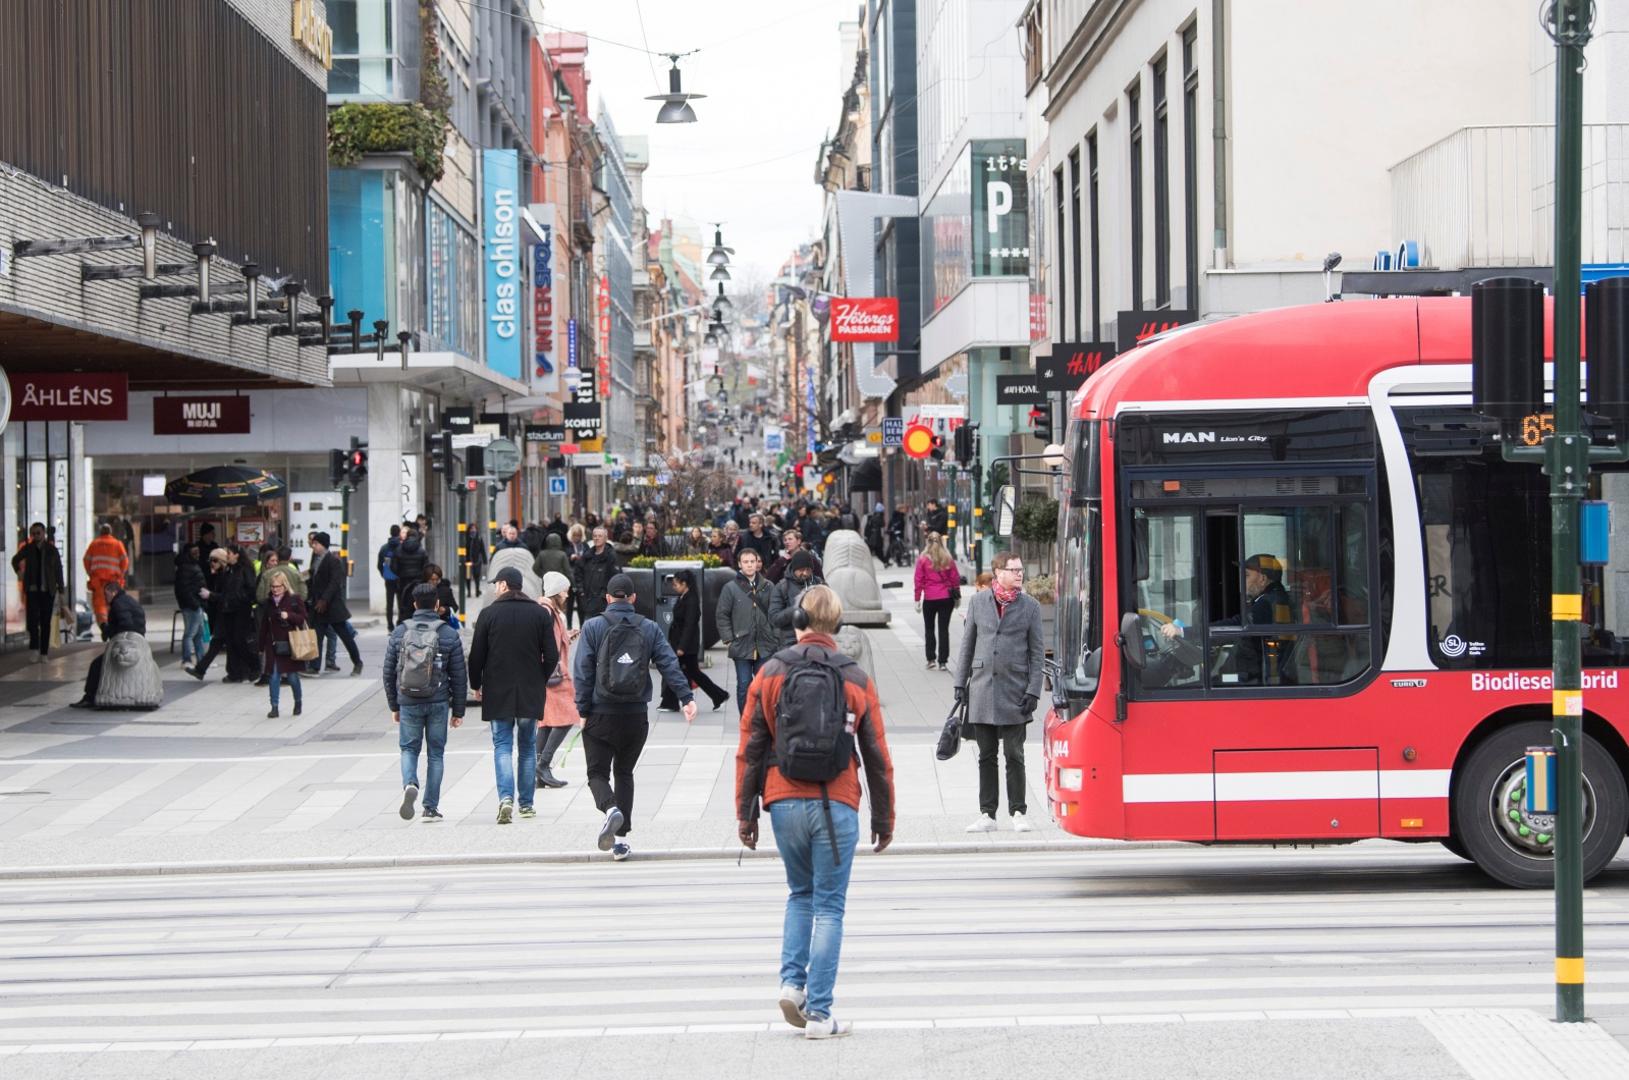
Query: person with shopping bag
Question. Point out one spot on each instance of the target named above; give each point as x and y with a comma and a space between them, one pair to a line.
560, 703
285, 641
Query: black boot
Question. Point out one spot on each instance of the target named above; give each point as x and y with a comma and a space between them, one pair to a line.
546, 778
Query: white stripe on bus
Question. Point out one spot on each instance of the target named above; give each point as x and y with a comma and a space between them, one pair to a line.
1285, 786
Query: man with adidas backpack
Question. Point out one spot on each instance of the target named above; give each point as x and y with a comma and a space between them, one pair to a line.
425, 679
812, 720
611, 675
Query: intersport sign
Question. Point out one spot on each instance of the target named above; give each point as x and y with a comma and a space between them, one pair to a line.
865, 318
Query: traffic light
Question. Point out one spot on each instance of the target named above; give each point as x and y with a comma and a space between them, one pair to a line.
440, 451
336, 468
1040, 421
938, 451
356, 462
474, 461
967, 446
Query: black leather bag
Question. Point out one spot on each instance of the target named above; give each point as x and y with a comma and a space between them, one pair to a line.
950, 739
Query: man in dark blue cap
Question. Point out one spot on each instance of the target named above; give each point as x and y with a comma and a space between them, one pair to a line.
611, 674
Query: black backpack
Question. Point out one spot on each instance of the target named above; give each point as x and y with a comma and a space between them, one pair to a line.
813, 739
622, 670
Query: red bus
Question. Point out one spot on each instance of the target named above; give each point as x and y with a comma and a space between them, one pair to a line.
1302, 597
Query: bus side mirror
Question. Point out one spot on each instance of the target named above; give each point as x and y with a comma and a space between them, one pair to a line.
1005, 510
1130, 640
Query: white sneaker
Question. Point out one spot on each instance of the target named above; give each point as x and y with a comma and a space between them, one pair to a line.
985, 823
824, 1027
792, 1002
1020, 823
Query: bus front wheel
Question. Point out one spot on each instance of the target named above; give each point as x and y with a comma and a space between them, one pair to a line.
1516, 848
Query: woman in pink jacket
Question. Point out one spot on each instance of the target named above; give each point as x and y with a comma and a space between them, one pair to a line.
560, 703
938, 591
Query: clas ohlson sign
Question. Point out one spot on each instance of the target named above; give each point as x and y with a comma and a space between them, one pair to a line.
500, 210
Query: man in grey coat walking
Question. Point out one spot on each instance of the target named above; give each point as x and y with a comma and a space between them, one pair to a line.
744, 620
998, 674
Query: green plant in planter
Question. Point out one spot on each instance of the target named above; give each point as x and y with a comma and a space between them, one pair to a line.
418, 128
361, 127
1041, 588
1036, 520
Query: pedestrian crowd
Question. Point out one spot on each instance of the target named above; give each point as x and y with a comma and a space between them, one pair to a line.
811, 727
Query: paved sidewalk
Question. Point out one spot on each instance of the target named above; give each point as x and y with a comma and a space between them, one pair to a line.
208, 779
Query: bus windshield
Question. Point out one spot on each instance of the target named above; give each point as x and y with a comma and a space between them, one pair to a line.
1080, 569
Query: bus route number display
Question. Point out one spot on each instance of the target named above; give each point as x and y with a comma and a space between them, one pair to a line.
1536, 427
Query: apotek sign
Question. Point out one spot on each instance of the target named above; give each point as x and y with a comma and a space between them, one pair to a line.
201, 416
865, 318
72, 395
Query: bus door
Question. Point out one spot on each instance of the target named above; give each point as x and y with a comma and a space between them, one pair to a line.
1251, 614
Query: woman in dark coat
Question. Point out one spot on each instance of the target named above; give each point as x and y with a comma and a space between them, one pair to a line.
282, 612
446, 602
685, 637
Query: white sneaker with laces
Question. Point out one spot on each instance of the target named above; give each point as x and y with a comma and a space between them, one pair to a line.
825, 1027
1020, 823
985, 823
792, 1002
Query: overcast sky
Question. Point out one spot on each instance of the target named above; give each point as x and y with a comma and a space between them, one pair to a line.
774, 90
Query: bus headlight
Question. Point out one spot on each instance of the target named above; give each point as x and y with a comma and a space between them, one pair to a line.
1069, 779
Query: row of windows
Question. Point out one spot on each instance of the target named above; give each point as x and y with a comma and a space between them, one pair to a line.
1079, 179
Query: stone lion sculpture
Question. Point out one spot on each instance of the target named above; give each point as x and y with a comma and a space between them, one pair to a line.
130, 677
851, 572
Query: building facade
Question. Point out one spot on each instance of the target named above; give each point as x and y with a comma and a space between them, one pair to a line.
136, 214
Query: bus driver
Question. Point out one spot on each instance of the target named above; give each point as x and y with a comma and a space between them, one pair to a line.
1267, 602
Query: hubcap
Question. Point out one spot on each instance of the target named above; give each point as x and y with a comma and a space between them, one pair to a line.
1528, 834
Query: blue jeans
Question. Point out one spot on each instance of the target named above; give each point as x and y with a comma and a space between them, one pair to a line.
503, 740
424, 722
192, 634
276, 682
812, 937
744, 671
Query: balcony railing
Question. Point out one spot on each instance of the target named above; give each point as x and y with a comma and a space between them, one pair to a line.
1485, 196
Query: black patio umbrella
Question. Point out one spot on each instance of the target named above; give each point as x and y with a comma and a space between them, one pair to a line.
224, 485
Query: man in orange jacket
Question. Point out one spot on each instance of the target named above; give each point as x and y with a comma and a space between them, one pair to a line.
803, 757
105, 560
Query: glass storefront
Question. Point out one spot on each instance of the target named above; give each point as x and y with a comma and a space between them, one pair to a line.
128, 494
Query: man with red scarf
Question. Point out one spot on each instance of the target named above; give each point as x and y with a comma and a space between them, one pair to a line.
998, 675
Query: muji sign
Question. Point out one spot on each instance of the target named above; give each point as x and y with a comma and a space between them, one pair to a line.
865, 318
201, 416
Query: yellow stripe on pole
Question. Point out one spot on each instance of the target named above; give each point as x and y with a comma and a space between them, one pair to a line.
1566, 607
1568, 703
1569, 970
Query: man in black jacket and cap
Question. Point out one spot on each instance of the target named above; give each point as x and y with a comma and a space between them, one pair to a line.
611, 675
509, 664
326, 600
